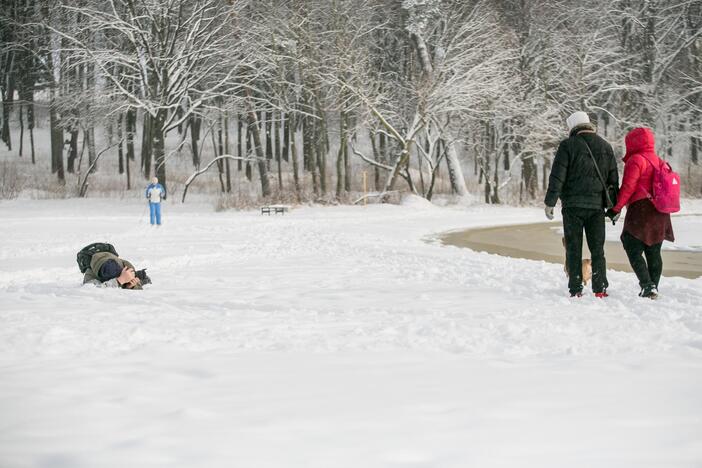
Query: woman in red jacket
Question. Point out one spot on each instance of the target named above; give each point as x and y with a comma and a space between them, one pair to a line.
645, 228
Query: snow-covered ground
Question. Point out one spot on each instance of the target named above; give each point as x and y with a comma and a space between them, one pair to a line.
330, 337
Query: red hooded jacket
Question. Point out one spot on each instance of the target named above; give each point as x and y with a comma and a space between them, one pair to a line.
642, 220
637, 181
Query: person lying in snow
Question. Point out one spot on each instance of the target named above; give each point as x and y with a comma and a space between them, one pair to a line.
102, 267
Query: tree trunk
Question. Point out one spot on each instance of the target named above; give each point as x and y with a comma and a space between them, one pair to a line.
56, 143
131, 133
73, 150
290, 126
435, 170
179, 116
476, 161
486, 172
340, 157
220, 165
400, 162
376, 156
276, 138
311, 149
383, 157
90, 136
286, 137
347, 162
146, 145
120, 147
260, 155
129, 177
280, 169
30, 120
269, 143
496, 180
195, 126
277, 151
7, 100
420, 165
55, 131
21, 129
529, 175
239, 142
458, 182
321, 156
306, 144
159, 147
249, 144
695, 142
226, 151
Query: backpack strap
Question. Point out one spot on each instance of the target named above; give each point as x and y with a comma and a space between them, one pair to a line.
648, 158
599, 174
649, 193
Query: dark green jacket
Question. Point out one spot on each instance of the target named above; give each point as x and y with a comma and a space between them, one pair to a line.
96, 263
573, 177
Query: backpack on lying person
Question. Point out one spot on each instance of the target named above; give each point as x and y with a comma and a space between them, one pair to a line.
665, 192
86, 254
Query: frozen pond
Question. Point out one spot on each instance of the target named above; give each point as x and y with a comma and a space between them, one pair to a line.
543, 241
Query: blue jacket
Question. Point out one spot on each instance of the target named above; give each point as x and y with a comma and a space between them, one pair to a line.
159, 193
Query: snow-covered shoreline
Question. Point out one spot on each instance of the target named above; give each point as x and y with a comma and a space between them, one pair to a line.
330, 337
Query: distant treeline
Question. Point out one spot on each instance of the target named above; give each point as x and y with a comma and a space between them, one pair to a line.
407, 91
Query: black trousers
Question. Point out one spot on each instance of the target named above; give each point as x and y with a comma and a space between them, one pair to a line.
648, 271
592, 221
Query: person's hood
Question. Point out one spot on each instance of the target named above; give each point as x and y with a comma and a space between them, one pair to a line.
584, 127
100, 258
639, 140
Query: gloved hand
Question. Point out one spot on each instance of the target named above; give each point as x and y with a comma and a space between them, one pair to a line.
548, 210
613, 215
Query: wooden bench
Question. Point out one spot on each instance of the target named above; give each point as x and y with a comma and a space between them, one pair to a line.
275, 209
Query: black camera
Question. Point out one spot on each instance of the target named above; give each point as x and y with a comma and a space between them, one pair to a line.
143, 277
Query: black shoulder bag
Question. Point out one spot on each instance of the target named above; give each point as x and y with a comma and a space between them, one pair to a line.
609, 191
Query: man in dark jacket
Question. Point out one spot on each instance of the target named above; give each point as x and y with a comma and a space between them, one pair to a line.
575, 181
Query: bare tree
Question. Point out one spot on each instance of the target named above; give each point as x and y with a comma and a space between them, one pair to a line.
175, 51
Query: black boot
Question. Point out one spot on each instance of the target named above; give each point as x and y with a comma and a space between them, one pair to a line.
649, 292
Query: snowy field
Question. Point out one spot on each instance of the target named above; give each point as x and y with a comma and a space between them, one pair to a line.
331, 337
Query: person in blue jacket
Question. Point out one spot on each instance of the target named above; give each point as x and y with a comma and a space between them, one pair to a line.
155, 192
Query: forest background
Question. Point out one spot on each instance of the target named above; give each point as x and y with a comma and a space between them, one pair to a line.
331, 100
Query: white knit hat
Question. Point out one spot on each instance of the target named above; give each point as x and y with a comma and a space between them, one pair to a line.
577, 118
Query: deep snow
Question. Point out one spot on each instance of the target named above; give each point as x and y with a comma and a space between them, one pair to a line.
341, 337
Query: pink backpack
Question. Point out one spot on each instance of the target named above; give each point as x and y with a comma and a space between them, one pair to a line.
665, 195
